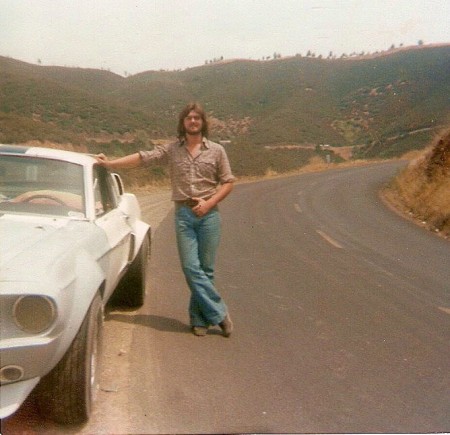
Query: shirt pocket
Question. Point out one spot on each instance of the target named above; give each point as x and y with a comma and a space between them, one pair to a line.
206, 169
181, 166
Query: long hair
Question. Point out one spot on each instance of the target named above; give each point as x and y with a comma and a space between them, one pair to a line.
197, 108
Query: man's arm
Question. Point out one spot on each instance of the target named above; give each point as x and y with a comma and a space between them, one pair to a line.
222, 192
127, 162
203, 206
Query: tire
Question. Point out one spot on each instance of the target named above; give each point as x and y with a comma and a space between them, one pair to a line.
131, 290
67, 393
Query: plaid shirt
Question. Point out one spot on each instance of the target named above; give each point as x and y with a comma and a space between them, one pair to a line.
192, 177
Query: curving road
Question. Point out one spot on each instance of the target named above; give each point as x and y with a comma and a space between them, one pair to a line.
342, 315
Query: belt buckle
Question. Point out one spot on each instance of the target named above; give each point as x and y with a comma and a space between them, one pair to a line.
191, 202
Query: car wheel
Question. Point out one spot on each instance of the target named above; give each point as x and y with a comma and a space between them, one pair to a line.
131, 290
66, 394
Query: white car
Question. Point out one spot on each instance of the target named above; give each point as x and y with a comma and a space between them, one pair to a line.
70, 239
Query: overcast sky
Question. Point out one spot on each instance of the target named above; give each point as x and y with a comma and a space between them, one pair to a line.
131, 36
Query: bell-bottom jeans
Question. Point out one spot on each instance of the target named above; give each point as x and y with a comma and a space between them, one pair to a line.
198, 239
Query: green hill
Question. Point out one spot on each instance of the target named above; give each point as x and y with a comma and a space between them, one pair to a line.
381, 105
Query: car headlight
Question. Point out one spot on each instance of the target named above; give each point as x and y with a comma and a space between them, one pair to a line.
34, 313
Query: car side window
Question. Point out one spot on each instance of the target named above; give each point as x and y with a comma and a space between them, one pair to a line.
105, 199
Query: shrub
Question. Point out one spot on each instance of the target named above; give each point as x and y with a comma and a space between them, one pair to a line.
423, 188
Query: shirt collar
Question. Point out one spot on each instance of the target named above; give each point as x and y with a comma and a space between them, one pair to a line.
205, 142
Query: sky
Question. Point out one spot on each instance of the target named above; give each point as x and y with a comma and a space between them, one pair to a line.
132, 36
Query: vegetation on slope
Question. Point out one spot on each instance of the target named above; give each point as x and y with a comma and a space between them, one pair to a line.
422, 190
381, 106
277, 114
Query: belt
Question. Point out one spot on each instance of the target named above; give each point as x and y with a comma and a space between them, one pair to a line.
190, 202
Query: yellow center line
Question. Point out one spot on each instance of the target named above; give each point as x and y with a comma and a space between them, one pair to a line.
329, 239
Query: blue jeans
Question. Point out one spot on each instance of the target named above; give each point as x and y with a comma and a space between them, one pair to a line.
198, 239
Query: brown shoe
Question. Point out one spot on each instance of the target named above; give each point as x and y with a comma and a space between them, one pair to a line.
199, 331
226, 325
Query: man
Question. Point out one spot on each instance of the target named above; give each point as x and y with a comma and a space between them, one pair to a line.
201, 177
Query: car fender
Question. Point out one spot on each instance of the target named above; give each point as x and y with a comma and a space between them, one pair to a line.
130, 206
141, 231
89, 278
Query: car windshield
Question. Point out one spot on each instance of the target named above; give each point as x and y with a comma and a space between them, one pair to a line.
41, 186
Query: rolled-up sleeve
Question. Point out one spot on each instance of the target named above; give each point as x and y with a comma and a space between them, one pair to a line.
157, 155
224, 172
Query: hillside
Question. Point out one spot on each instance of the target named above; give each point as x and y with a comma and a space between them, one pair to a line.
422, 190
381, 106
307, 100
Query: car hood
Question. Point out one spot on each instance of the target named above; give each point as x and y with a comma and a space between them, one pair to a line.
31, 247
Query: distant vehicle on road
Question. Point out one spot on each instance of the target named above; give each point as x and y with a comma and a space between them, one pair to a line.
70, 240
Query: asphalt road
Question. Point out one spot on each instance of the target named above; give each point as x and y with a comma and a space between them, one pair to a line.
342, 316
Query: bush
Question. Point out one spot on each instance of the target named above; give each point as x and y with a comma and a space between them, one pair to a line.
423, 188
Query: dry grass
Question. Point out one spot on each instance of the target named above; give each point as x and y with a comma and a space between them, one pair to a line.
422, 190
315, 164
